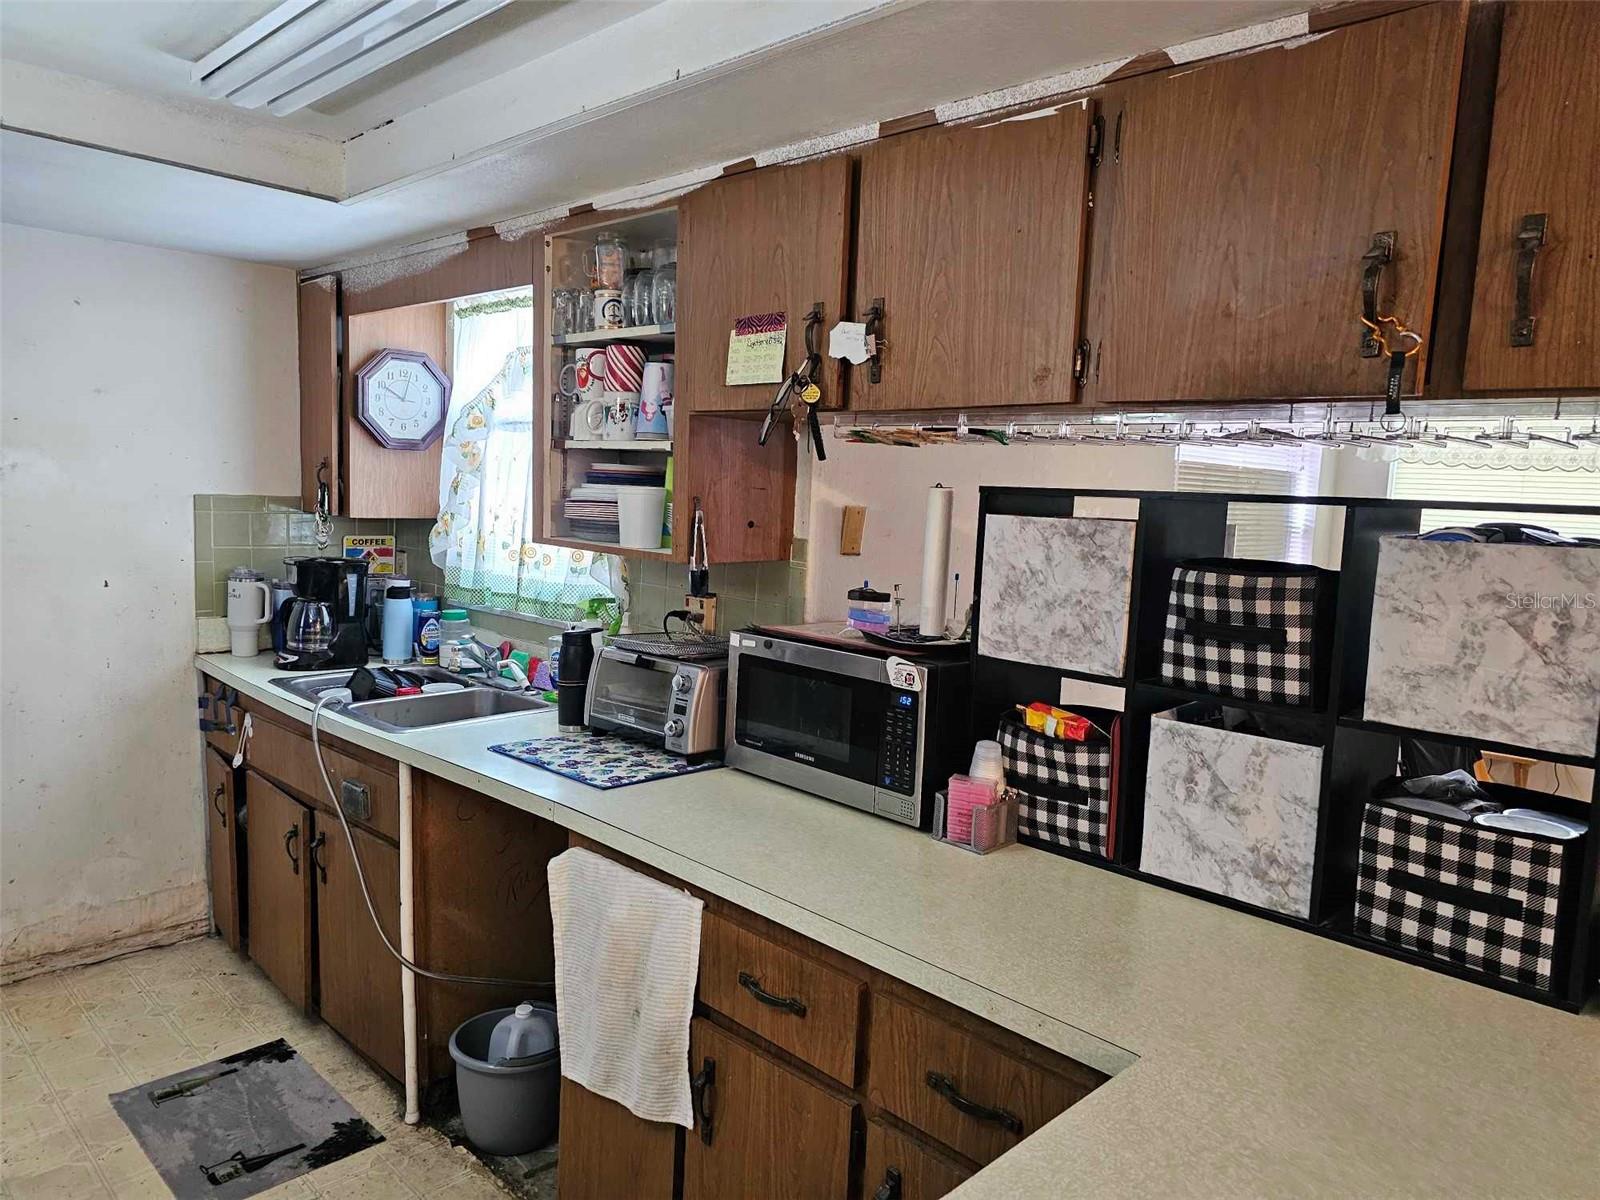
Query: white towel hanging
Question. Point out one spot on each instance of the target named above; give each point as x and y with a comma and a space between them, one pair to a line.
627, 951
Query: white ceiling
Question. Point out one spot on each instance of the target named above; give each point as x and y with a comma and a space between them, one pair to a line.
542, 104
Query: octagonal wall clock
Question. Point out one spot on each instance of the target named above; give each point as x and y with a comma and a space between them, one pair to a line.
401, 398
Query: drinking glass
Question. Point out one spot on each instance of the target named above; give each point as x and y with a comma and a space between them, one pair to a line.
639, 306
663, 254
664, 295
563, 311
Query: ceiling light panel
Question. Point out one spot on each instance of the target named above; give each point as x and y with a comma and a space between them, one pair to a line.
304, 50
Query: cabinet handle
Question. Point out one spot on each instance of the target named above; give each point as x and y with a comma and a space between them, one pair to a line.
788, 1003
288, 838
701, 1087
216, 796
1379, 255
317, 844
1530, 236
946, 1087
889, 1189
875, 331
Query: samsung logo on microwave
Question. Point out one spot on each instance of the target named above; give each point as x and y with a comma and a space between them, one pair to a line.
810, 758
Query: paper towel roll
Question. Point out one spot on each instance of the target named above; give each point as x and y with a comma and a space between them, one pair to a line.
936, 560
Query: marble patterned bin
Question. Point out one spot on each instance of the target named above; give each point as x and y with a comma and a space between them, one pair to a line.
1232, 813
1500, 642
1056, 591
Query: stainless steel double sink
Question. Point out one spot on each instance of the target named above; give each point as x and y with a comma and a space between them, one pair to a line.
402, 714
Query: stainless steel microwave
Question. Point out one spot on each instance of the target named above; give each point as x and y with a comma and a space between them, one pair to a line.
862, 726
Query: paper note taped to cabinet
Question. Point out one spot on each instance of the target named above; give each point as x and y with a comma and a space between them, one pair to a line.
755, 349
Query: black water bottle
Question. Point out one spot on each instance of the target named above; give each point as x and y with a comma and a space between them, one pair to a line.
572, 677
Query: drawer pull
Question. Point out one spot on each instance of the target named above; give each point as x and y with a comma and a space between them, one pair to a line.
1530, 236
788, 1003
889, 1189
701, 1087
288, 840
946, 1087
216, 798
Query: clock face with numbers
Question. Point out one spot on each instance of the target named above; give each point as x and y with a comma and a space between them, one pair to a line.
402, 398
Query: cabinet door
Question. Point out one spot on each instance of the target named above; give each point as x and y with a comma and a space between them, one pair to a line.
1236, 200
770, 240
280, 888
222, 847
898, 1167
760, 1128
319, 389
973, 239
1544, 161
359, 981
607, 1152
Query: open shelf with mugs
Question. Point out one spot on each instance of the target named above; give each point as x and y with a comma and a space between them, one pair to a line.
609, 324
1387, 739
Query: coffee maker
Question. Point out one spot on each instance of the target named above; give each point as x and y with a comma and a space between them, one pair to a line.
325, 623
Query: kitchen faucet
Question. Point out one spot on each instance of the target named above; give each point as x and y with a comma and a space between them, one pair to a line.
489, 659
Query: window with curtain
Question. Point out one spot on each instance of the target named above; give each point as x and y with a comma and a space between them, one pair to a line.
1276, 532
1573, 478
483, 539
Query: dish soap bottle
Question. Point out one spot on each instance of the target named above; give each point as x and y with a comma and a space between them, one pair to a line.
398, 622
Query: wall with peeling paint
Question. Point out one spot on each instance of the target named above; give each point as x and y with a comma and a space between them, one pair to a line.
133, 379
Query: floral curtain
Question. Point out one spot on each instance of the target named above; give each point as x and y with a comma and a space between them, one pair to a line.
483, 537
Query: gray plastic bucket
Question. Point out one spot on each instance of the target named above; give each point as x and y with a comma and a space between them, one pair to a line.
510, 1109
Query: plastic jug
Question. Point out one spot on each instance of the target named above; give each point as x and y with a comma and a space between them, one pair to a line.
524, 1033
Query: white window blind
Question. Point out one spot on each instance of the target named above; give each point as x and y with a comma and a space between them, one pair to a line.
1505, 485
1281, 532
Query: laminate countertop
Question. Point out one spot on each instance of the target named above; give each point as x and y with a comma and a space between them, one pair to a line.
1250, 1059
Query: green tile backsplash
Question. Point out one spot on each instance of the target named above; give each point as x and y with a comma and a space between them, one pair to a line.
747, 593
261, 531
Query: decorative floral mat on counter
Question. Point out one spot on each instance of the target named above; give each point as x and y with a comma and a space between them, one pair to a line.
601, 760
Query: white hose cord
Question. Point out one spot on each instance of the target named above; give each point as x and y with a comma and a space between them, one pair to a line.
340, 696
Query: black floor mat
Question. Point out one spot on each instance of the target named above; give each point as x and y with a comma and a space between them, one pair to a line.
242, 1124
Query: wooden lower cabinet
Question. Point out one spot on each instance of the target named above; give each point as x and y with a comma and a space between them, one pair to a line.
761, 1129
608, 1153
281, 830
222, 847
358, 980
900, 1167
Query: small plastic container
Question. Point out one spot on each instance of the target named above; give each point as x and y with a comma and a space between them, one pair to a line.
453, 625
868, 609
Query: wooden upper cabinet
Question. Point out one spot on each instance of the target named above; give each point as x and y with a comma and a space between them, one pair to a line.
319, 389
1544, 164
973, 239
770, 240
1237, 198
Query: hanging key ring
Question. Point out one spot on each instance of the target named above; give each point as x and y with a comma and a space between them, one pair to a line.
1399, 330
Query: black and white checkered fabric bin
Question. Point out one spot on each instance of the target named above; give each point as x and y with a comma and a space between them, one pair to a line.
1065, 790
1487, 899
1247, 629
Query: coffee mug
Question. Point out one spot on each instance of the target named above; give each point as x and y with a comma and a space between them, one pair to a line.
620, 410
655, 394
624, 367
588, 421
585, 377
607, 308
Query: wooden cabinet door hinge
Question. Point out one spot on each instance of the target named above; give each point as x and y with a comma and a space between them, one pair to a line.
1097, 140
1080, 362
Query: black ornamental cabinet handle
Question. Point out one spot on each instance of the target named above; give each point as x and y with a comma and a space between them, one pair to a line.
1530, 236
701, 1087
1379, 255
216, 798
946, 1087
889, 1189
288, 842
317, 843
788, 1004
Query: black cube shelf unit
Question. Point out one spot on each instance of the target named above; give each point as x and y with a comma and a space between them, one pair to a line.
1357, 753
